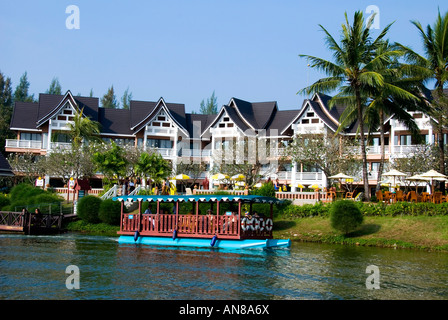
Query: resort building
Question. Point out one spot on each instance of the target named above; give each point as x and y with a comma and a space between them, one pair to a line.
178, 136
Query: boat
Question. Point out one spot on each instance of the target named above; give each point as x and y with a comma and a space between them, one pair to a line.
228, 223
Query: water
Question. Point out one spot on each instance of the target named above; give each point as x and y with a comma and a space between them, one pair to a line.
34, 268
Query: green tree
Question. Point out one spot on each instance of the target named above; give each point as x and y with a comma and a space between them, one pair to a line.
21, 92
153, 166
109, 100
355, 66
111, 162
126, 99
55, 87
6, 98
331, 154
399, 94
433, 67
82, 128
209, 107
345, 216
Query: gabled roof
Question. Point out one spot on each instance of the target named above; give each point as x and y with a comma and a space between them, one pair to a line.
175, 111
24, 115
280, 121
51, 104
204, 121
255, 114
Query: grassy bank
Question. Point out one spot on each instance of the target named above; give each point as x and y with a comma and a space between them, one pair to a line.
100, 229
419, 232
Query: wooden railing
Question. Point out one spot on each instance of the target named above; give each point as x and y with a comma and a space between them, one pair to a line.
200, 226
17, 221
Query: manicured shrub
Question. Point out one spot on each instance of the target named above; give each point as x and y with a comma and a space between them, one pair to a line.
345, 216
26, 195
4, 200
88, 208
110, 212
266, 190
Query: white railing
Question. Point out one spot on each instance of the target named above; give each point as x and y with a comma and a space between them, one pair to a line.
165, 152
23, 144
112, 192
401, 150
60, 146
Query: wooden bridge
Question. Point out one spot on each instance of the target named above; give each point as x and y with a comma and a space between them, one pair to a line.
30, 223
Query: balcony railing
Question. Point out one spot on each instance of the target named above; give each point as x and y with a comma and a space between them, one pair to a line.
23, 144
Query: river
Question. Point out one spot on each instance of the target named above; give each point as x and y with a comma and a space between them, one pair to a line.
35, 268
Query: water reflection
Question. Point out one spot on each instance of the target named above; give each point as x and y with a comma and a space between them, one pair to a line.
33, 267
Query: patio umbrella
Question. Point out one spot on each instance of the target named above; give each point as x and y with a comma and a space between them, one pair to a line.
417, 178
432, 174
341, 175
258, 185
238, 177
180, 177
220, 176
315, 186
394, 173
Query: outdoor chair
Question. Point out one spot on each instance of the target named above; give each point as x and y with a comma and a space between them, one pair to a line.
386, 196
426, 197
413, 196
437, 197
349, 195
400, 195
379, 195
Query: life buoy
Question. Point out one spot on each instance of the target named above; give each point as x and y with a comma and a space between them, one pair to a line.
269, 224
262, 224
247, 224
174, 234
212, 243
256, 224
136, 236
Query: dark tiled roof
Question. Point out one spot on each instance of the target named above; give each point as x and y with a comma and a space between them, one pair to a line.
114, 121
139, 110
5, 168
236, 118
24, 115
204, 119
280, 120
257, 114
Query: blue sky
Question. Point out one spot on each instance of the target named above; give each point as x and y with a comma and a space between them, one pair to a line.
184, 50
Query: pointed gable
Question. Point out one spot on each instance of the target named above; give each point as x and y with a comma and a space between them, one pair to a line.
51, 105
175, 112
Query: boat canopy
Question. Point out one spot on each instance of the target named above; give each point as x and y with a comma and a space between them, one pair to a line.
201, 198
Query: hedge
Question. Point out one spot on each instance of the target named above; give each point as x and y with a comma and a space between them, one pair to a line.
370, 209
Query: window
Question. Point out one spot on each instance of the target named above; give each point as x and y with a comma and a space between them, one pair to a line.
310, 114
405, 140
375, 166
30, 136
159, 143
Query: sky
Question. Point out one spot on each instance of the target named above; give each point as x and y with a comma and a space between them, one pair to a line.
183, 50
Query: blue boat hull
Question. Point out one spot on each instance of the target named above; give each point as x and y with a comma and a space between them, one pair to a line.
202, 243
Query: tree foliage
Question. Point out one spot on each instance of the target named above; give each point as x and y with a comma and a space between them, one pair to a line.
109, 100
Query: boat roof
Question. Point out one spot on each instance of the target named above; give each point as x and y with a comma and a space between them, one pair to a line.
200, 198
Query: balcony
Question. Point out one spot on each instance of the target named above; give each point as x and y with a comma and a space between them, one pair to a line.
23, 144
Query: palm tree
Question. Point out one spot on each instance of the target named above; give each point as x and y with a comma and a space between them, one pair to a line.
434, 67
355, 67
398, 95
83, 128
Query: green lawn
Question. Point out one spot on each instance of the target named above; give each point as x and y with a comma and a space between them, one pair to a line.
406, 231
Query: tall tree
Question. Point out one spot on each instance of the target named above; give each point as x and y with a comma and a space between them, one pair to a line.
109, 100
55, 87
355, 66
433, 66
126, 99
21, 92
209, 107
5, 110
82, 128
